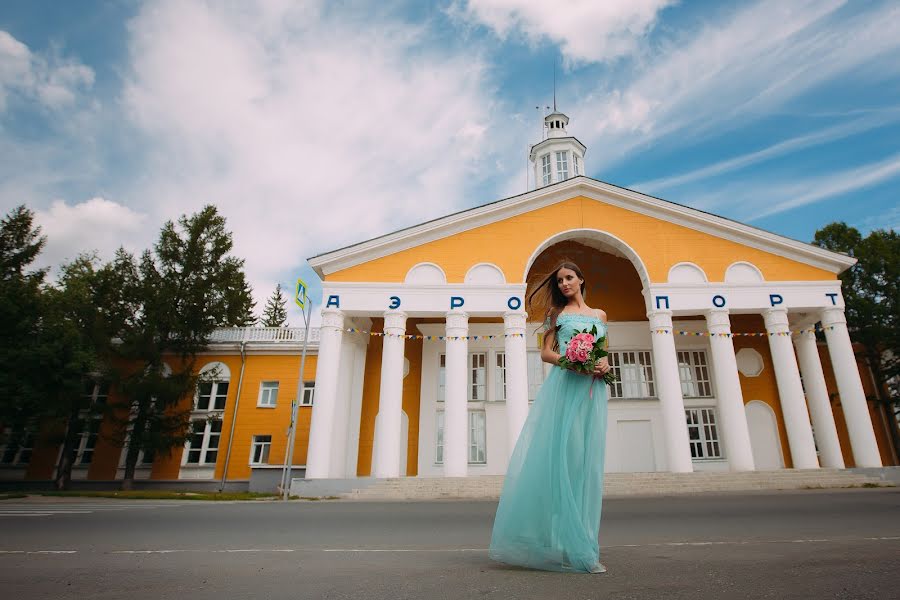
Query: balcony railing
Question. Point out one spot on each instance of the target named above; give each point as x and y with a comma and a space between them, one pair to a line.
263, 334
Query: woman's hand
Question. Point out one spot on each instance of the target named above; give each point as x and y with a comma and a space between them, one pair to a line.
602, 366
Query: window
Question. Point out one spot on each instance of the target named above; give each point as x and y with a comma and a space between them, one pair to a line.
562, 166
95, 394
16, 449
477, 441
259, 451
309, 392
87, 430
477, 438
535, 374
203, 445
703, 434
439, 438
477, 376
211, 395
145, 458
694, 374
442, 378
477, 384
634, 370
500, 377
545, 169
576, 163
268, 394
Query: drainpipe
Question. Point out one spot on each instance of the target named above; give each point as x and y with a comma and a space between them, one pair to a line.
237, 401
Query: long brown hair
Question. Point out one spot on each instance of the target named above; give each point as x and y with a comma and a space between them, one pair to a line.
552, 297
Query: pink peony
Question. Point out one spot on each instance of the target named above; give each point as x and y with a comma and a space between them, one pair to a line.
580, 347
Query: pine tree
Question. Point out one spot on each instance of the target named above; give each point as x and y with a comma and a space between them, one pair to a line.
20, 314
187, 286
275, 313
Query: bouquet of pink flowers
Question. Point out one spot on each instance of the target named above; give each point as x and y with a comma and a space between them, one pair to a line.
584, 350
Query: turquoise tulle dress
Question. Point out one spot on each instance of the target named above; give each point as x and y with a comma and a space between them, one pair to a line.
549, 512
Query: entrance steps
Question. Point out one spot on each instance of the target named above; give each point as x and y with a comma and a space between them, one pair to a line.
488, 487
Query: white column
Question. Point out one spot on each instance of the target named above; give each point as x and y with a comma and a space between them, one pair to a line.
790, 390
853, 398
817, 400
668, 388
390, 400
516, 376
728, 392
321, 427
456, 402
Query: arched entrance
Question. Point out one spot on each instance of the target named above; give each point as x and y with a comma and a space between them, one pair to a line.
616, 281
616, 277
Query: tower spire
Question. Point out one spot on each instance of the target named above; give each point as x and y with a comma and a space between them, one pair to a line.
554, 84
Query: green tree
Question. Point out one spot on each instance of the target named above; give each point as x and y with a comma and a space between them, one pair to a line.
871, 290
83, 315
275, 313
187, 286
20, 314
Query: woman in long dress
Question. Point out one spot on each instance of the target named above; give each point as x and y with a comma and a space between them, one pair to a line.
549, 512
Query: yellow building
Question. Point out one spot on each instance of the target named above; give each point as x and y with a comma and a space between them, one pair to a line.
426, 361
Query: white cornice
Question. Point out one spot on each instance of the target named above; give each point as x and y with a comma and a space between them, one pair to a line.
337, 260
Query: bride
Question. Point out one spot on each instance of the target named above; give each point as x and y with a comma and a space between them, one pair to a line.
549, 512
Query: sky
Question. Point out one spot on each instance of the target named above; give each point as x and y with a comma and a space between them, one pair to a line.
314, 125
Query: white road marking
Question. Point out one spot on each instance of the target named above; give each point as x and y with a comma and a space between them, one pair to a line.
423, 550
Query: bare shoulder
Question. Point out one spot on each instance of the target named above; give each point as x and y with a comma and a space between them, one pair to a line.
601, 314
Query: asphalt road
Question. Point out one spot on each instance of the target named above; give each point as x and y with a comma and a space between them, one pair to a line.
808, 544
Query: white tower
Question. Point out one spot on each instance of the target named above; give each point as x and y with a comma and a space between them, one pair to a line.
559, 156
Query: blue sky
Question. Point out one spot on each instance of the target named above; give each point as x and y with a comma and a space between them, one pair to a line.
319, 124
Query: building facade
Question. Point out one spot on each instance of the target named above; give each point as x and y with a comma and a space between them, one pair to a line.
426, 362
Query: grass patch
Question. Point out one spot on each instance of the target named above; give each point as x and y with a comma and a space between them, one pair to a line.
12, 495
161, 495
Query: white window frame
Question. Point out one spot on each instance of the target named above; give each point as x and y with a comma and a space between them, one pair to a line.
477, 377
546, 171
477, 437
89, 423
535, 366
309, 393
442, 377
260, 448
693, 372
576, 164
21, 452
215, 392
144, 460
499, 376
268, 394
703, 434
562, 165
634, 370
205, 436
439, 437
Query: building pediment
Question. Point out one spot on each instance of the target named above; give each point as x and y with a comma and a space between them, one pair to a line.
580, 187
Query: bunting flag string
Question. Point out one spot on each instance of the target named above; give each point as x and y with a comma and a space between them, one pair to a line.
410, 336
660, 330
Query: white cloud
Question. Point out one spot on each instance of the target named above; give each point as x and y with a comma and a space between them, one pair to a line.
48, 78
308, 131
764, 202
96, 225
586, 30
755, 62
787, 146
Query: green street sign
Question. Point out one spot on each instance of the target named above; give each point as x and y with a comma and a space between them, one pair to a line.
300, 295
